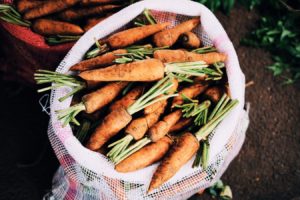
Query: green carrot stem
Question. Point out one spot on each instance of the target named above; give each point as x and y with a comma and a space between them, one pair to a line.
205, 154
212, 124
58, 80
198, 68
132, 149
68, 115
83, 130
100, 49
149, 17
197, 160
216, 108
148, 98
119, 146
205, 50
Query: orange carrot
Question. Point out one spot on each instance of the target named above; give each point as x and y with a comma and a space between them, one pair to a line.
144, 70
49, 7
145, 156
91, 102
138, 127
24, 5
189, 40
74, 14
103, 96
152, 108
161, 128
99, 61
90, 23
109, 127
214, 93
128, 99
95, 2
179, 154
183, 123
50, 27
133, 35
190, 92
170, 36
185, 56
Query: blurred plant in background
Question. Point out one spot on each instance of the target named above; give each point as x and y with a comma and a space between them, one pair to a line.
277, 31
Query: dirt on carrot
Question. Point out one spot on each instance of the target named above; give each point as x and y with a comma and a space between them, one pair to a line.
185, 56
99, 61
180, 153
50, 27
170, 36
145, 156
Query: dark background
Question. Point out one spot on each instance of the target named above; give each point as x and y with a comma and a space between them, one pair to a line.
267, 167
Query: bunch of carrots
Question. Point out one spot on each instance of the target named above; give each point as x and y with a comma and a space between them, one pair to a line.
59, 21
151, 93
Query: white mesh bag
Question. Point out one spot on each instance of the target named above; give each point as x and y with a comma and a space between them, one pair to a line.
85, 174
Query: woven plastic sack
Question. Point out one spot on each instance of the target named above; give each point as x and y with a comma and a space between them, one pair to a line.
85, 174
28, 50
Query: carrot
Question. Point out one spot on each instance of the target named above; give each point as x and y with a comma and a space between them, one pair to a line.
170, 36
128, 99
145, 156
161, 128
138, 127
145, 70
152, 108
183, 150
183, 123
95, 2
75, 14
99, 61
133, 35
49, 7
24, 5
92, 102
185, 56
214, 93
109, 127
189, 40
90, 23
118, 119
50, 27
103, 96
190, 92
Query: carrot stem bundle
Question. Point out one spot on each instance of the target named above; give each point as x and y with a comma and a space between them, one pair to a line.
10, 15
118, 119
137, 52
58, 80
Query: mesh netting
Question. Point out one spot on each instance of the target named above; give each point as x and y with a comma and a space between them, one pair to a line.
89, 175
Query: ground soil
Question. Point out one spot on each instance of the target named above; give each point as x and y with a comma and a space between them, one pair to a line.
268, 166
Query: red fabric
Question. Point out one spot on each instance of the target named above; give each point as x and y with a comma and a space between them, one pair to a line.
27, 51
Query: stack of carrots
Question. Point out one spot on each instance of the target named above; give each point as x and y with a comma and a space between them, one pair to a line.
159, 94
60, 20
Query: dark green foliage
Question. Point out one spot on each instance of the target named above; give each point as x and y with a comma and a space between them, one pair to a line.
278, 32
215, 5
